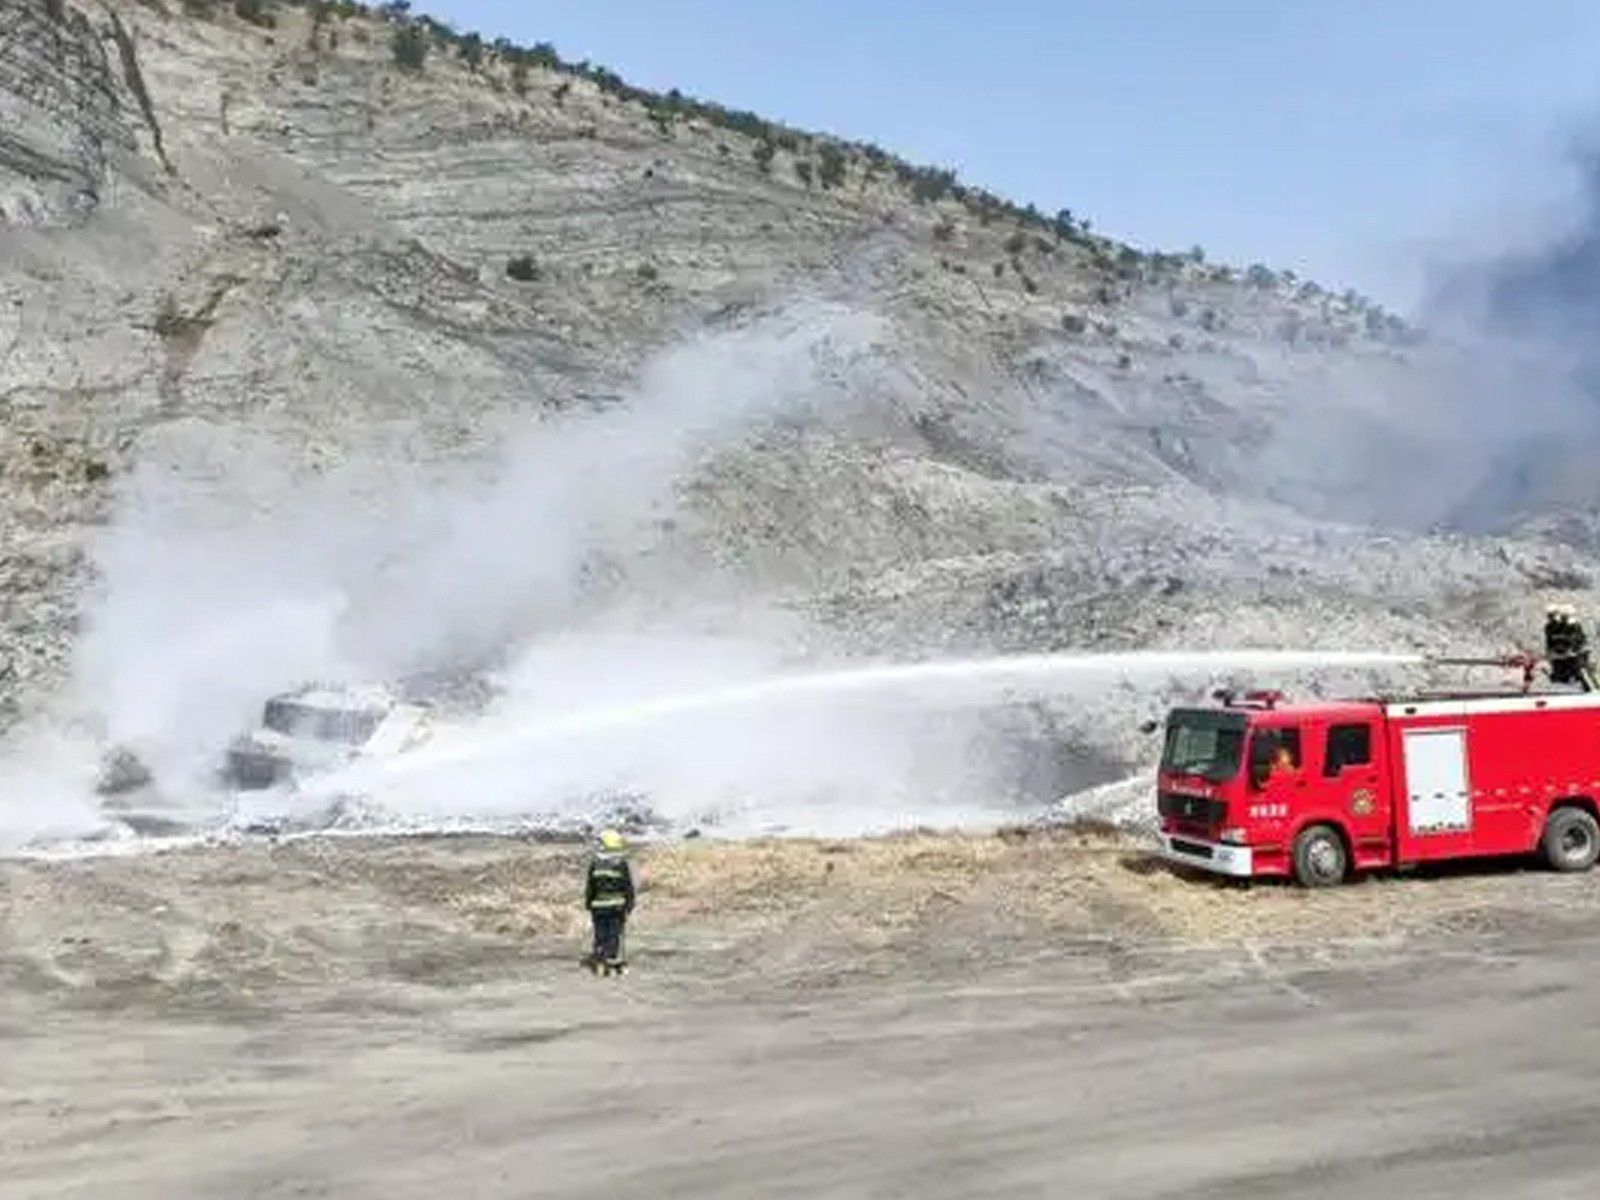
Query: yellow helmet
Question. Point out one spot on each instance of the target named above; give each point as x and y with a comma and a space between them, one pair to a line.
610, 839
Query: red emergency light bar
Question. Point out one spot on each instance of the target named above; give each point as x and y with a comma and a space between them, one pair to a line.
1256, 699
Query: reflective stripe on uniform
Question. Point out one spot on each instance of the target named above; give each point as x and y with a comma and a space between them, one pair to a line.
609, 883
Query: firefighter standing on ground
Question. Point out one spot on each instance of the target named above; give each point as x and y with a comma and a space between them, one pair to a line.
608, 895
1567, 647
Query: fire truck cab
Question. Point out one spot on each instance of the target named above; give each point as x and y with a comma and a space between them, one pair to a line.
1257, 787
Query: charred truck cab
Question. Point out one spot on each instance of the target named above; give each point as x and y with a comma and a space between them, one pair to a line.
1256, 787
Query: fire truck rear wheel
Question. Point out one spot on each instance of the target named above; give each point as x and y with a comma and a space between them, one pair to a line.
1320, 859
1571, 840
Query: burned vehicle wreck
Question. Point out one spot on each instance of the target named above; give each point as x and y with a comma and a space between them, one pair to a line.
319, 728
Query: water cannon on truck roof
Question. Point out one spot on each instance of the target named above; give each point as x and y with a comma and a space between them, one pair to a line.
1314, 791
1524, 661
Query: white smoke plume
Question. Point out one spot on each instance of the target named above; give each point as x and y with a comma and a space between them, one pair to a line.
46, 790
1478, 411
245, 575
625, 671
219, 587
240, 573
1484, 417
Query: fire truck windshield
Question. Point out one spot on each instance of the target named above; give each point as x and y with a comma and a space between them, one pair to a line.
1205, 743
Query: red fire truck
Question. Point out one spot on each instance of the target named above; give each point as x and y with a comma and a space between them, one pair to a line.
1257, 787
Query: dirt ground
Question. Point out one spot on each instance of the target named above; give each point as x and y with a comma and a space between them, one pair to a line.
931, 1015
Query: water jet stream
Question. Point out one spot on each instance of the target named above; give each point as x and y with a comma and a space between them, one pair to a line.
1040, 673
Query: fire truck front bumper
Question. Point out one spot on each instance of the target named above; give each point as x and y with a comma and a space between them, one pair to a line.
1219, 857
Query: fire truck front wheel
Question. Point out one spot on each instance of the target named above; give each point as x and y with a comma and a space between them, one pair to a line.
1571, 840
1320, 857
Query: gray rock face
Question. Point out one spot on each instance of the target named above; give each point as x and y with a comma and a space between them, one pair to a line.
209, 231
62, 118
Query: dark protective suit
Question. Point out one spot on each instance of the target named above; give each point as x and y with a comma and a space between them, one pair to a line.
1567, 647
608, 895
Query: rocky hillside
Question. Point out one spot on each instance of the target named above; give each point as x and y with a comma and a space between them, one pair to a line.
344, 234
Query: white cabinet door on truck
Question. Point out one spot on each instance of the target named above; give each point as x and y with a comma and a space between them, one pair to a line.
1438, 798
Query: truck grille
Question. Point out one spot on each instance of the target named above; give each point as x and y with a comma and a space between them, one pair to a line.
1197, 849
1191, 808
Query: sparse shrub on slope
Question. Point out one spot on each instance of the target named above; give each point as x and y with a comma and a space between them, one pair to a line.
415, 35
830, 165
930, 183
831, 168
257, 12
443, 33
410, 47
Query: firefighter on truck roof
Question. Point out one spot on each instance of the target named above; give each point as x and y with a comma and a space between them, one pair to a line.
1567, 647
608, 895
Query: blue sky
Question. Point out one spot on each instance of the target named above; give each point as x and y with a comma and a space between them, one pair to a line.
1352, 141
